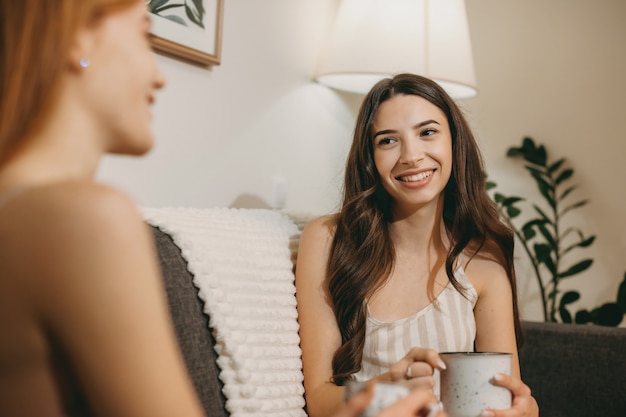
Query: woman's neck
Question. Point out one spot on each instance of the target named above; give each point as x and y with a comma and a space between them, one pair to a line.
419, 229
57, 153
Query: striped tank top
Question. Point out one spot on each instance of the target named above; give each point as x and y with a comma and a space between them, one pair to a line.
445, 325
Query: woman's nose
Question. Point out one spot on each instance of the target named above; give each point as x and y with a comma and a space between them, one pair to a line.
159, 79
411, 153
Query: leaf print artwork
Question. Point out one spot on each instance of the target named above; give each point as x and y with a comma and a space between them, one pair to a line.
184, 12
187, 29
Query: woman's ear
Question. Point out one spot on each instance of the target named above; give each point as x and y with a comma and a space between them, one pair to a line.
82, 49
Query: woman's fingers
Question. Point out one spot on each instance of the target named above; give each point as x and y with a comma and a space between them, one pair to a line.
523, 404
417, 363
418, 403
357, 403
515, 385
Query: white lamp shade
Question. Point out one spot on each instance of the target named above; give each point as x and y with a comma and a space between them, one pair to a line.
374, 39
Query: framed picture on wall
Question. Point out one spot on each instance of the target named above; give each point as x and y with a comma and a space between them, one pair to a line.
188, 29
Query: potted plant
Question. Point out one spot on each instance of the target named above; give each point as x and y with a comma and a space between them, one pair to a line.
546, 242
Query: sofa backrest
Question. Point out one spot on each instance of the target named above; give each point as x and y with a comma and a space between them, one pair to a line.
575, 370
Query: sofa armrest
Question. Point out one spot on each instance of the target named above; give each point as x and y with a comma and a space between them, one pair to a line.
192, 326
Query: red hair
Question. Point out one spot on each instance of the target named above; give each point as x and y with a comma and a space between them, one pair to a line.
35, 40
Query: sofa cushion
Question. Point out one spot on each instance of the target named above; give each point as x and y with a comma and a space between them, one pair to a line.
191, 325
575, 370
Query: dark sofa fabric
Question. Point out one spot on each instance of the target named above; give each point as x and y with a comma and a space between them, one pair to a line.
191, 323
575, 370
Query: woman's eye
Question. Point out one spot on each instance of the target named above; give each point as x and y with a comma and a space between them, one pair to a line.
385, 141
428, 132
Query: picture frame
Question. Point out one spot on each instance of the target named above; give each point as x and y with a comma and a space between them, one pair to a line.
190, 30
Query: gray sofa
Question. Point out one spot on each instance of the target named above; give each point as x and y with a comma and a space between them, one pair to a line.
573, 370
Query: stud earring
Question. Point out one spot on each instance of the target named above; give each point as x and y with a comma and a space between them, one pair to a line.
84, 62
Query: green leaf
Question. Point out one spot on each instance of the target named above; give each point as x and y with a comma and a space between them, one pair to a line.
499, 198
555, 166
154, 5
582, 244
542, 252
513, 152
548, 236
529, 233
165, 6
528, 230
567, 192
546, 190
532, 153
564, 176
534, 222
511, 200
569, 297
528, 144
490, 185
552, 294
195, 12
621, 295
176, 19
573, 206
549, 263
542, 255
541, 156
512, 211
566, 317
583, 317
576, 269
587, 242
536, 171
609, 314
542, 214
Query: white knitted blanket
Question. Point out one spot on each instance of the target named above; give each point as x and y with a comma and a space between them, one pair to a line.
242, 267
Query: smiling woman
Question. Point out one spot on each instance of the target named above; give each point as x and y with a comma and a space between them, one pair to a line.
188, 29
416, 262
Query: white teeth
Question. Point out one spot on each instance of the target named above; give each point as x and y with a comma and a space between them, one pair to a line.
418, 177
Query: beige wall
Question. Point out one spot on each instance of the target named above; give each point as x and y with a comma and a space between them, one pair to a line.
555, 70
551, 69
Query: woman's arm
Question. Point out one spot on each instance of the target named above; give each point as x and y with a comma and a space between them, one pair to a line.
103, 302
319, 334
495, 330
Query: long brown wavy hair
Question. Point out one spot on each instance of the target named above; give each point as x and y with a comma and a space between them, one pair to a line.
362, 253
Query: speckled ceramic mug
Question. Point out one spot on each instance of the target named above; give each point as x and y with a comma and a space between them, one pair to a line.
466, 383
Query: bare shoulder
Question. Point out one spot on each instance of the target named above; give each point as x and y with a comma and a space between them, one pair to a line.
70, 229
486, 271
69, 204
322, 227
314, 250
83, 203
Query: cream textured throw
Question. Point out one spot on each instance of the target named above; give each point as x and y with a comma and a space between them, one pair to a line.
242, 266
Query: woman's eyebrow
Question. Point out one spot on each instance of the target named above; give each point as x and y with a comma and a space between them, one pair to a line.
384, 132
417, 126
425, 123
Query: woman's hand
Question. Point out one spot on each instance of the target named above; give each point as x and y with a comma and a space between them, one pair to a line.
420, 402
416, 369
523, 404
